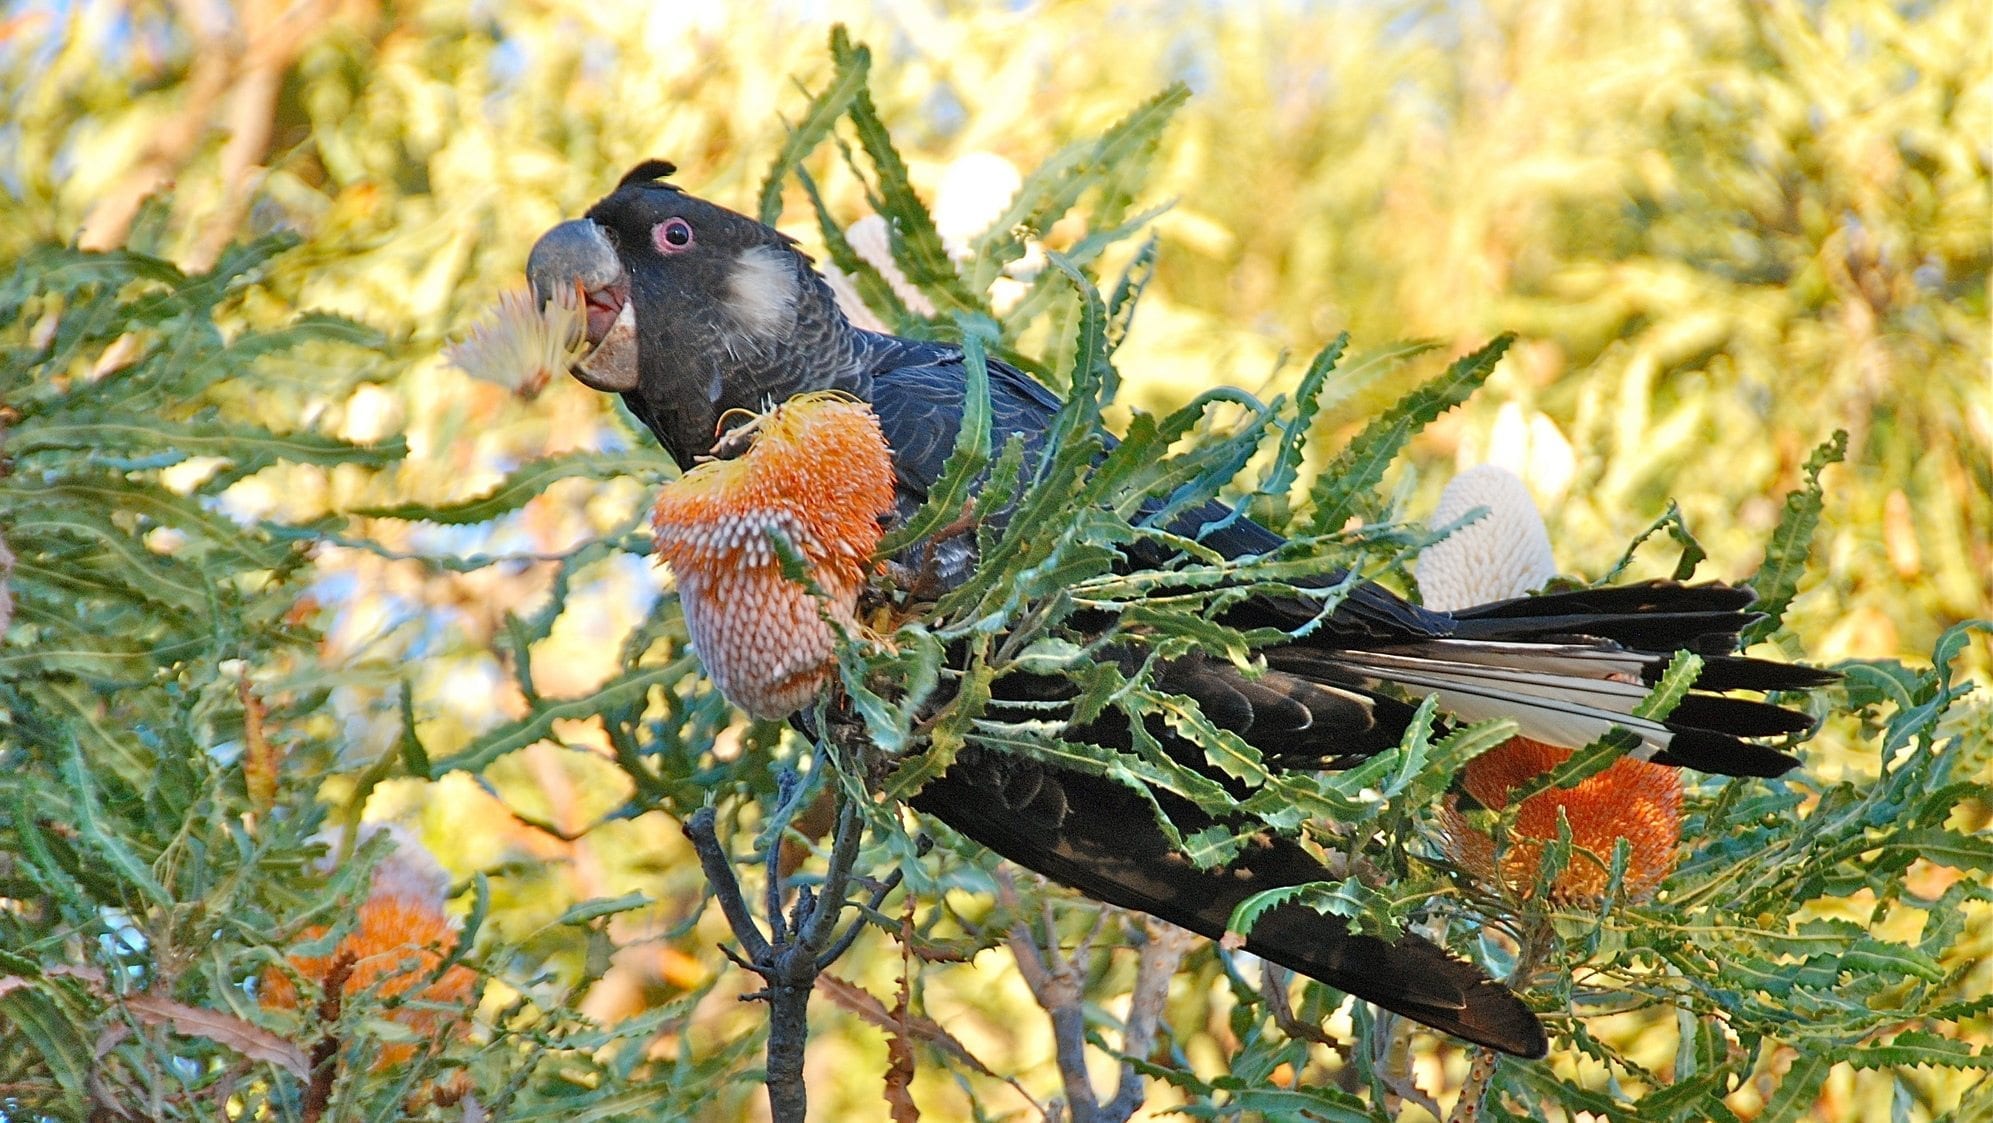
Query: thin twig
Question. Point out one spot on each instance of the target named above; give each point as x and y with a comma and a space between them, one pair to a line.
788, 799
921, 846
726, 889
803, 944
1056, 981
1273, 986
1399, 1086
814, 930
1055, 985
1163, 949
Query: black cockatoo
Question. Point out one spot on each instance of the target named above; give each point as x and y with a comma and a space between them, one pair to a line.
695, 311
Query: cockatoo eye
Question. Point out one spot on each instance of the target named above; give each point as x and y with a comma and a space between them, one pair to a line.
673, 235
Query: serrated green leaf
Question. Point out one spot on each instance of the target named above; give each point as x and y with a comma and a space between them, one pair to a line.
249, 446
873, 289
1327, 1104
148, 499
42, 1026
1582, 765
104, 839
526, 484
538, 725
1350, 899
1920, 1048
1360, 466
584, 911
1674, 685
853, 64
966, 463
307, 328
916, 243
1799, 1087
1872, 956
1278, 481
1946, 848
947, 736
1777, 580
1055, 187
1676, 527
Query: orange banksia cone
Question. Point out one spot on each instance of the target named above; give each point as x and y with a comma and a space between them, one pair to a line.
818, 473
1631, 799
1507, 554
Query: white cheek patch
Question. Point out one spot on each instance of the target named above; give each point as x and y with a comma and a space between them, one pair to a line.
761, 291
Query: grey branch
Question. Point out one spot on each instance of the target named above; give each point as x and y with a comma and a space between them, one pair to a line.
804, 943
1055, 980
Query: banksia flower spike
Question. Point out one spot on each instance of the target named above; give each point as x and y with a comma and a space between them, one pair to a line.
1507, 554
816, 471
1630, 799
401, 934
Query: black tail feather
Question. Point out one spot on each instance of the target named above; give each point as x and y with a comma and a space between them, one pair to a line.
1741, 672
1724, 755
1638, 599
1738, 717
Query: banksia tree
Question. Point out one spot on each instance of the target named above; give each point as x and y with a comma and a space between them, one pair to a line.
1819, 949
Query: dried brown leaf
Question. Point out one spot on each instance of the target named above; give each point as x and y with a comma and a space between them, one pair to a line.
860, 1001
259, 756
252, 1041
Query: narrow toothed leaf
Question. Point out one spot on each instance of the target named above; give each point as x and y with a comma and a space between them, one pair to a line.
1676, 527
1777, 580
853, 65
1344, 487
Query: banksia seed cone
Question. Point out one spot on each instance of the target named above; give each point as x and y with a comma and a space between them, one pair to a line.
400, 936
1507, 554
818, 472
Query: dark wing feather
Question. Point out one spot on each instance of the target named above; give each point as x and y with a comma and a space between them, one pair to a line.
1101, 838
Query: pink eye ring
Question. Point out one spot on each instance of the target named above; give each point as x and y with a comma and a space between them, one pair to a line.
673, 235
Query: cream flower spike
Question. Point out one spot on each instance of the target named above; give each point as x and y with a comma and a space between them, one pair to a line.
1503, 554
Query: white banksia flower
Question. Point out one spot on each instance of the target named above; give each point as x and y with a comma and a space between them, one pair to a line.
976, 189
1505, 553
523, 344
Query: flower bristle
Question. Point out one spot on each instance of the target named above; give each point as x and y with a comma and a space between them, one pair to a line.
1629, 799
817, 472
524, 343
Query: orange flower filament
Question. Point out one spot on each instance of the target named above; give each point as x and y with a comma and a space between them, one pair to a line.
818, 473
